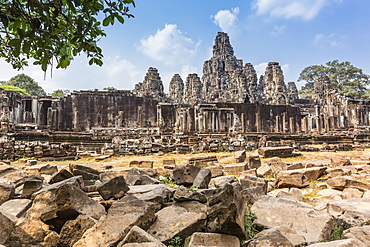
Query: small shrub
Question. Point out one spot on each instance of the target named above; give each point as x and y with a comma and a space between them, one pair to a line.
176, 242
168, 181
251, 228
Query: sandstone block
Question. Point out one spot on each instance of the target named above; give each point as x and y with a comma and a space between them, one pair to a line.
269, 238
185, 175
182, 219
354, 212
234, 169
139, 236
16, 207
200, 239
183, 194
226, 210
6, 192
282, 152
253, 162
240, 156
73, 230
347, 182
129, 211
116, 188
60, 176
201, 181
312, 224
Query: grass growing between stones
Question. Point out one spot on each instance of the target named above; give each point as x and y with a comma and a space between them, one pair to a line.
251, 228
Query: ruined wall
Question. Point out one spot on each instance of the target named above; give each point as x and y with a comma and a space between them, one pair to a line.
119, 109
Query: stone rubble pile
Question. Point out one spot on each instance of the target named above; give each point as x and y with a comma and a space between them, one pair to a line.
252, 202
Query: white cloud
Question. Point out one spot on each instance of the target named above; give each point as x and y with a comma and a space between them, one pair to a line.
278, 30
331, 40
261, 68
170, 46
115, 72
186, 70
304, 9
226, 20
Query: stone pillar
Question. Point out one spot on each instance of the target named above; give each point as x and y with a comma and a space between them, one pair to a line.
284, 124
291, 125
243, 123
140, 116
258, 122
277, 124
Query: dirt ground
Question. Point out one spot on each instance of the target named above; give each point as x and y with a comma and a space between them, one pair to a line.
181, 159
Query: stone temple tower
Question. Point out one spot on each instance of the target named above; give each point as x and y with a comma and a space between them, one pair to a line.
225, 79
151, 86
275, 90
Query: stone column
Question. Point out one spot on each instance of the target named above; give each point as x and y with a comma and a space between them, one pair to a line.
258, 122
284, 124
291, 125
277, 124
243, 123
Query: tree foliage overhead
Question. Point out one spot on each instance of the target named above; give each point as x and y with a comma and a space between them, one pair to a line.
15, 89
60, 93
346, 78
51, 31
27, 83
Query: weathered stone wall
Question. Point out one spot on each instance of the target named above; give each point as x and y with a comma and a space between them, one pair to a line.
112, 109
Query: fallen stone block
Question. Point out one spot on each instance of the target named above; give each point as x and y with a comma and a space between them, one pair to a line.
7, 226
234, 169
269, 238
73, 230
86, 172
183, 194
151, 193
116, 188
253, 162
139, 236
347, 182
240, 156
6, 192
201, 181
312, 173
226, 210
42, 169
66, 204
216, 170
31, 185
340, 243
281, 152
203, 161
312, 224
296, 180
213, 239
182, 219
361, 234
16, 207
60, 176
220, 182
354, 212
111, 229
185, 175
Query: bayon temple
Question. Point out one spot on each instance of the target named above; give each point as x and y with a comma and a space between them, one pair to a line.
226, 108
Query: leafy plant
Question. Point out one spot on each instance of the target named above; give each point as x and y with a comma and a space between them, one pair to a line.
168, 180
337, 232
176, 242
54, 32
251, 228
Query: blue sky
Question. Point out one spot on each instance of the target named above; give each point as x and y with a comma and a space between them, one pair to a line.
177, 37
